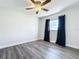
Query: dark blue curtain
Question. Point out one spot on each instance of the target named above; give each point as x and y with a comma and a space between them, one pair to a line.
61, 37
47, 31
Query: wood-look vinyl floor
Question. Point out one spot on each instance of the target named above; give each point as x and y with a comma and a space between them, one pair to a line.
39, 50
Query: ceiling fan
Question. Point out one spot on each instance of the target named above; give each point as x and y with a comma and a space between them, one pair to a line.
38, 5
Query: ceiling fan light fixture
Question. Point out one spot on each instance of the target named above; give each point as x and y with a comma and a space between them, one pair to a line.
39, 6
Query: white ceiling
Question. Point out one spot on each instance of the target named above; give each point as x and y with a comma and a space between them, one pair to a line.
54, 7
57, 6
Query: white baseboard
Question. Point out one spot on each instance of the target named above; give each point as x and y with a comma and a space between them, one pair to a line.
53, 41
68, 45
14, 44
5, 46
72, 46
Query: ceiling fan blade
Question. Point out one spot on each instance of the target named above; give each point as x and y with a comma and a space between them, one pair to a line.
28, 8
37, 12
47, 1
45, 9
33, 1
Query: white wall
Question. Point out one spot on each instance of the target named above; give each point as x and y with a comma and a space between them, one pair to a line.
72, 26
16, 25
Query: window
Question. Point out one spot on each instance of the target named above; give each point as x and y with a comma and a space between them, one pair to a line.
54, 24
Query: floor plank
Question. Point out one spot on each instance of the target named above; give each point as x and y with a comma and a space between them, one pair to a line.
39, 50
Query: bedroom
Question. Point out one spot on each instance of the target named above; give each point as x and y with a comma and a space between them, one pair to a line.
22, 29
